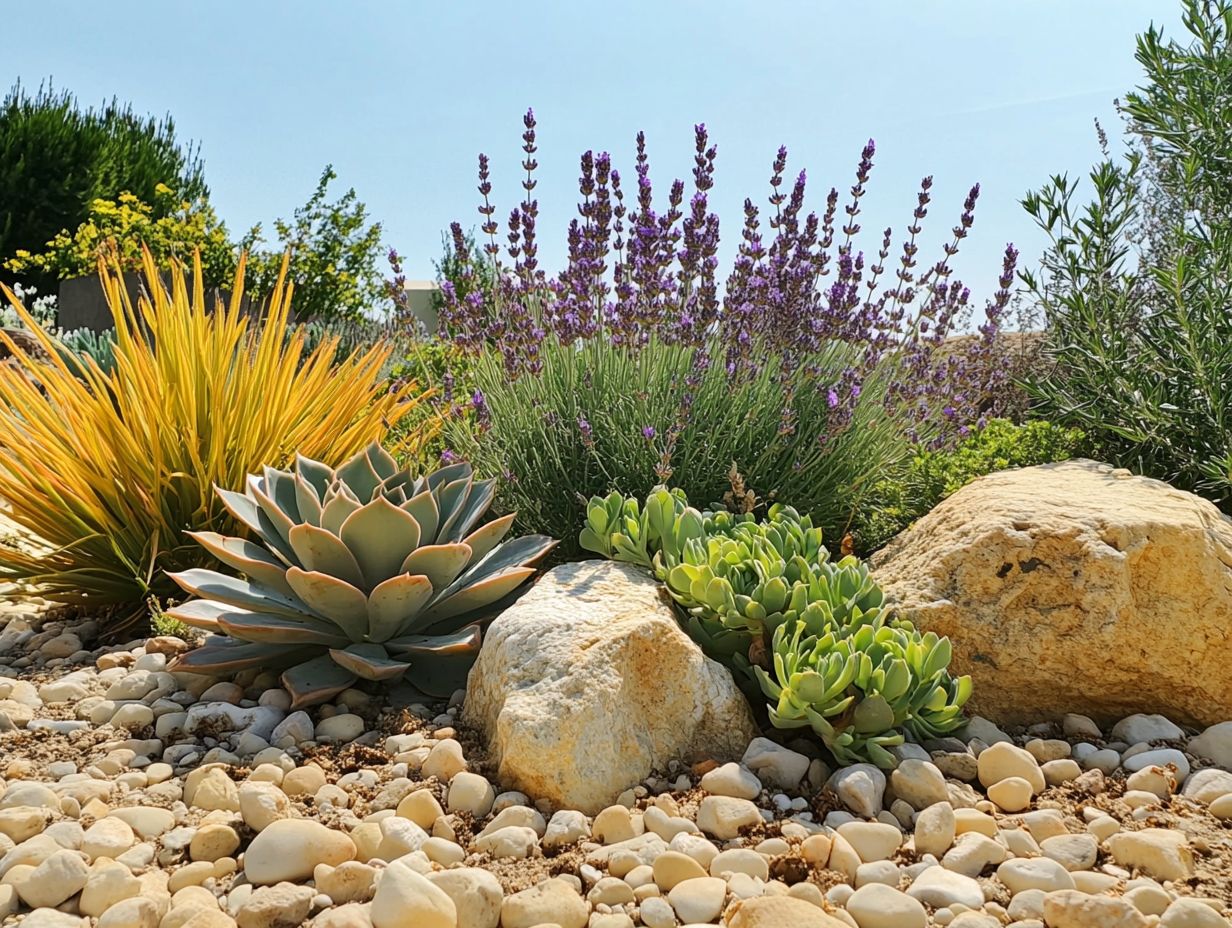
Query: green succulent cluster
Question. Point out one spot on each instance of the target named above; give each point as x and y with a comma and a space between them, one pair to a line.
813, 635
860, 684
364, 572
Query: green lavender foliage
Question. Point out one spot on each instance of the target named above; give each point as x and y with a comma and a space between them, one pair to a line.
597, 417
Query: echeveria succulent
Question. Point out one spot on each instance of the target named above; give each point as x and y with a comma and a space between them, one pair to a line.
366, 572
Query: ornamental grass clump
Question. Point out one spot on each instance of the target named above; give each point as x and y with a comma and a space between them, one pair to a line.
364, 572
812, 363
812, 636
107, 469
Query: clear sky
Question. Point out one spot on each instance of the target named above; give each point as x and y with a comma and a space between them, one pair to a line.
401, 96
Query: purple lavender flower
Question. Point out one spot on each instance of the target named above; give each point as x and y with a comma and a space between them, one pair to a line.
645, 269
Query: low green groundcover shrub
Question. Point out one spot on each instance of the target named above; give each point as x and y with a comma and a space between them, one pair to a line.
933, 475
811, 636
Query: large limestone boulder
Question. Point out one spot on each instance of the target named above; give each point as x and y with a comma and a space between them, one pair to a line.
587, 684
1075, 588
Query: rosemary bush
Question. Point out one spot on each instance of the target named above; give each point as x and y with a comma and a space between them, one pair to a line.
1136, 285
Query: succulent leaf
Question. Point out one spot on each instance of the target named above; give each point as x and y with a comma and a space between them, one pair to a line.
220, 655
246, 557
369, 662
422, 507
397, 603
210, 584
340, 602
483, 539
316, 680
318, 475
359, 474
379, 535
441, 564
308, 501
337, 510
478, 593
276, 629
322, 551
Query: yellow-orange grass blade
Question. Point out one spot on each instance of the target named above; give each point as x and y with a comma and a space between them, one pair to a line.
110, 468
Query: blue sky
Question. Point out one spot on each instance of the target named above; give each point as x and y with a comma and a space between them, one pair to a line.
400, 97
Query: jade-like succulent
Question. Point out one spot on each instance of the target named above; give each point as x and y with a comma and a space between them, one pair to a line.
366, 571
859, 684
814, 636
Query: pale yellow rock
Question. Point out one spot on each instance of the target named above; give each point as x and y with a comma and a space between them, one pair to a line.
779, 912
550, 902
872, 840
1157, 852
1058, 584
291, 848
213, 842
421, 807
133, 912
406, 899
672, 867
350, 881
1069, 908
476, 895
587, 684
1013, 794
107, 884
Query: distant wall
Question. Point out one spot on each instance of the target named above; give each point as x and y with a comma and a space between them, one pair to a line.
82, 304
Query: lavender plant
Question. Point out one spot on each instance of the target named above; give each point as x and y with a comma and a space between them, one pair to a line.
812, 366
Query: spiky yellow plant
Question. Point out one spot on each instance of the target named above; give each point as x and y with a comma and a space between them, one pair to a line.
108, 470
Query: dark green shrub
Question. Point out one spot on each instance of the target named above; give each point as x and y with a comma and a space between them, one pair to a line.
895, 503
56, 159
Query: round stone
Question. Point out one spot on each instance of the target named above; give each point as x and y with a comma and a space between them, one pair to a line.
406, 899
471, 793
731, 780
1013, 794
1020, 874
289, 849
878, 906
724, 817
699, 900
939, 888
1004, 760
552, 902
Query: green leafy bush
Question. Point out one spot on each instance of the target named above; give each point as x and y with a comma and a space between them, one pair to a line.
1136, 284
57, 159
896, 502
335, 252
812, 636
366, 571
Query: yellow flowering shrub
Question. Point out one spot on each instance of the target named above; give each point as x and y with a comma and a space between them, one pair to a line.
170, 227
